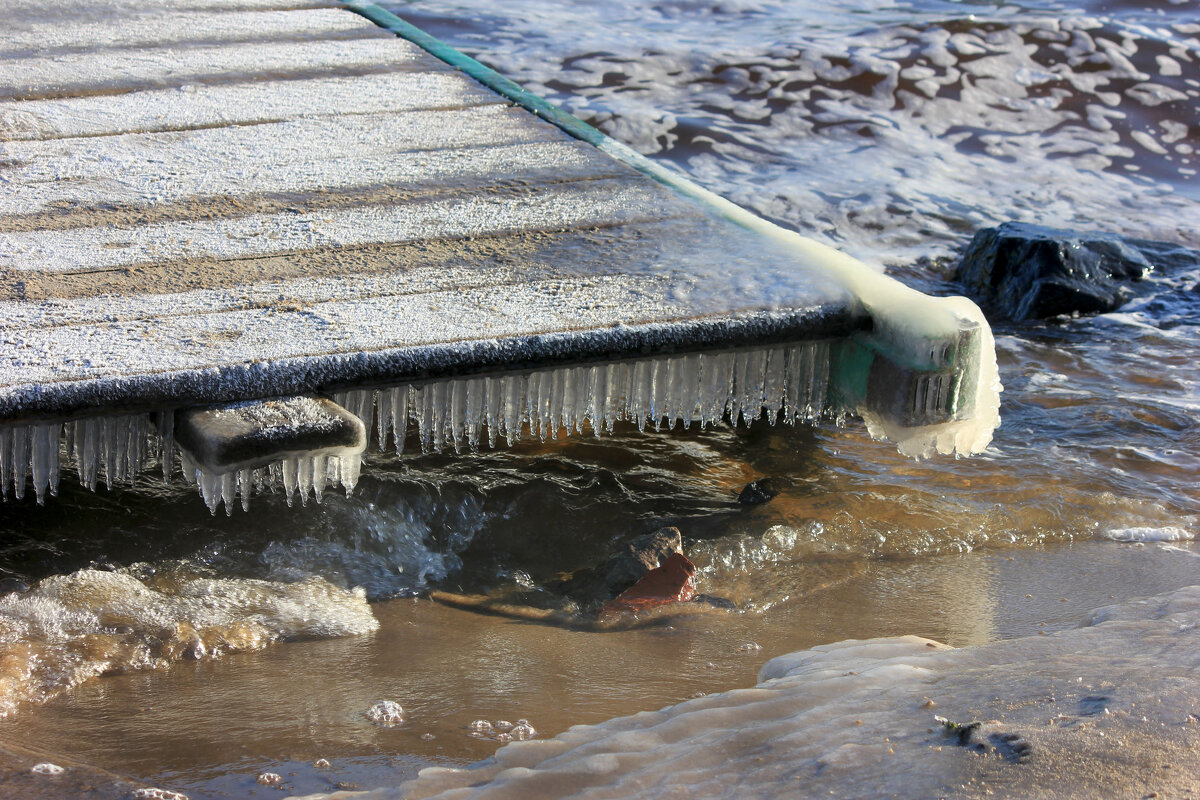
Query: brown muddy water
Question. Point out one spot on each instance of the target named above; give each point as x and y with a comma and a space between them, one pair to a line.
194, 652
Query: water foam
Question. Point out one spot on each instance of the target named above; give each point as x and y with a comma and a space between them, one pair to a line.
901, 716
1168, 533
69, 628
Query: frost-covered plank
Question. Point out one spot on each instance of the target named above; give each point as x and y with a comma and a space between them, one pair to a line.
681, 248
175, 26
144, 173
552, 207
256, 102
26, 12
346, 328
102, 73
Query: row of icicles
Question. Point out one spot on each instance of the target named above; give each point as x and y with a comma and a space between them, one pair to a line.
787, 382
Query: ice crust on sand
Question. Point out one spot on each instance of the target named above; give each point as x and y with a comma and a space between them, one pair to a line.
902, 716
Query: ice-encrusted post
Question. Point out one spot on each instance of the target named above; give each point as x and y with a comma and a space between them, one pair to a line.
304, 443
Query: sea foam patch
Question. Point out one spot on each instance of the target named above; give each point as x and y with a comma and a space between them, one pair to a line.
902, 716
1166, 533
70, 628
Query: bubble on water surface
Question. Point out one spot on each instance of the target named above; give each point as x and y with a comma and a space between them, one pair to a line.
154, 793
386, 712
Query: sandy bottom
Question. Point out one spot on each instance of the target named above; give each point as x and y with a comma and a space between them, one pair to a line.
208, 728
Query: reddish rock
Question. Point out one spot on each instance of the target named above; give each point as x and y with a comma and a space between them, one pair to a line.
671, 582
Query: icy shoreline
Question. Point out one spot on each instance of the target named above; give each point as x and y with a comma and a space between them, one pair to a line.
1105, 709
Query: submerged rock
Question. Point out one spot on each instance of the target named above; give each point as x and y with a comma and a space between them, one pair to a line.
758, 492
1021, 271
643, 554
590, 588
648, 573
671, 582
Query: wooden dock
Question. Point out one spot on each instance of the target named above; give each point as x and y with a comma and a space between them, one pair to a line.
210, 201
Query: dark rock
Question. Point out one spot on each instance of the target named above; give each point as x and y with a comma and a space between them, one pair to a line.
759, 492
589, 588
723, 603
645, 553
1021, 271
8, 585
1011, 746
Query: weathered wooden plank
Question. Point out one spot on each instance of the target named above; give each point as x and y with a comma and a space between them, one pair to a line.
244, 103
671, 247
51, 10
174, 26
227, 353
92, 73
442, 150
32, 299
551, 207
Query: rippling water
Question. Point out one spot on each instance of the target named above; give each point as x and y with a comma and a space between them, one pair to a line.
892, 130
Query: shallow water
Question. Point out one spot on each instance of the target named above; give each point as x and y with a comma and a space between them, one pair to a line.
891, 130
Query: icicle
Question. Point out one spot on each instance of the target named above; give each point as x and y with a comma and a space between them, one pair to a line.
424, 414
349, 467
108, 453
458, 414
210, 488
689, 390
570, 388
820, 384
288, 470
556, 408
245, 484
20, 459
320, 474
44, 458
716, 386
166, 432
774, 366
597, 397
639, 394
399, 412
581, 386
228, 491
6, 470
86, 451
476, 391
304, 477
495, 409
383, 415
514, 397
536, 397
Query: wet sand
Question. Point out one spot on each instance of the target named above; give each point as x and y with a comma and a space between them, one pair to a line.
207, 728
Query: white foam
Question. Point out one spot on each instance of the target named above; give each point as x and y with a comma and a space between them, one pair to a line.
1167, 533
855, 719
70, 628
